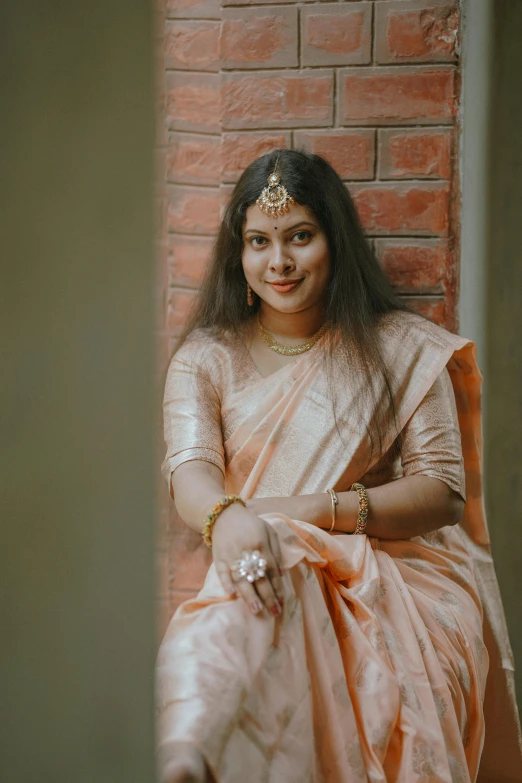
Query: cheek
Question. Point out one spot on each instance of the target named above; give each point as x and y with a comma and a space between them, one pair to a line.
252, 261
318, 263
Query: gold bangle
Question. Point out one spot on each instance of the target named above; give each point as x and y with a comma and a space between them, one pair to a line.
211, 517
335, 501
362, 516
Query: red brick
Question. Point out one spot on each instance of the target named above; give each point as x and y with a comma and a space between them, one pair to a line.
238, 150
405, 154
415, 265
179, 304
193, 210
334, 34
193, 9
416, 31
277, 99
432, 307
187, 259
193, 159
192, 45
257, 38
193, 101
401, 94
404, 209
351, 152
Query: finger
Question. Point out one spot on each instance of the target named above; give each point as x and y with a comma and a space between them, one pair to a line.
249, 595
275, 575
268, 596
223, 571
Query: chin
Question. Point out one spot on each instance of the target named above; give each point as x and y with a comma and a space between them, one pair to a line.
288, 307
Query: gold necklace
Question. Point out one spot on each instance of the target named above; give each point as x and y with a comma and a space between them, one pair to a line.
289, 350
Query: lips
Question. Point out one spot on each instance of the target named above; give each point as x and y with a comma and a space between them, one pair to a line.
285, 286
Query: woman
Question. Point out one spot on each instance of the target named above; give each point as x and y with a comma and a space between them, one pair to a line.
339, 633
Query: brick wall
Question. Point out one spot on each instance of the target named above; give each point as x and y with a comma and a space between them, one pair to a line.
372, 86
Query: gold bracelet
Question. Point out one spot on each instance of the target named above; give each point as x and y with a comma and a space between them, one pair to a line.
211, 517
362, 516
335, 501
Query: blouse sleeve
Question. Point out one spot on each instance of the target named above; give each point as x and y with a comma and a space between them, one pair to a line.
431, 444
191, 415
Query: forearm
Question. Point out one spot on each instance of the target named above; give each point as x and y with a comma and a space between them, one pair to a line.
197, 487
408, 507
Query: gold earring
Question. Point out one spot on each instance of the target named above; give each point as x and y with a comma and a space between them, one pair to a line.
250, 296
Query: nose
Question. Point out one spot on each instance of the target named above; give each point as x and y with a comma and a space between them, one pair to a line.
280, 262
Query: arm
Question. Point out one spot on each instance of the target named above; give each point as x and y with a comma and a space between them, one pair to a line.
410, 506
197, 486
194, 467
429, 496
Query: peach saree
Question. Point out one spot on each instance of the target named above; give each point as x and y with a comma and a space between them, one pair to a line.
391, 662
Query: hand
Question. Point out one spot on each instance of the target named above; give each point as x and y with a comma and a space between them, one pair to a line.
238, 529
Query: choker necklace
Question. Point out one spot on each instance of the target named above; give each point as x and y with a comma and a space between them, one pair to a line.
289, 350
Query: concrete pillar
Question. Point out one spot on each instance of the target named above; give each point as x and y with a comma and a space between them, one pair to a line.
503, 286
77, 444
491, 272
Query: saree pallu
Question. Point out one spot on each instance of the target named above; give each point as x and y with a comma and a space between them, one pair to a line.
391, 661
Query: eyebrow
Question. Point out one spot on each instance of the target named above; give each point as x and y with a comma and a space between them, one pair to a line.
290, 228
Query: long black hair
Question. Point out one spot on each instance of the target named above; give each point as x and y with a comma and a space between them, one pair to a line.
358, 293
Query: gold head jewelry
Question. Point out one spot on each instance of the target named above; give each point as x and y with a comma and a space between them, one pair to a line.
275, 199
289, 350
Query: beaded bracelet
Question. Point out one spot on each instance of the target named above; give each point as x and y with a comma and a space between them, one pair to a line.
211, 517
362, 516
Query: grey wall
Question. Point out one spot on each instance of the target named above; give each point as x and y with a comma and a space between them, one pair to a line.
491, 271
77, 442
503, 338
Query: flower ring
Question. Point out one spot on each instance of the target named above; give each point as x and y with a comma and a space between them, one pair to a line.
250, 566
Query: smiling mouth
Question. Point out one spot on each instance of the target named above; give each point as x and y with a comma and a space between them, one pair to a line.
286, 286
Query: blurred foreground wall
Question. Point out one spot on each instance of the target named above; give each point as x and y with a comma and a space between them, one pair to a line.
77, 394
503, 315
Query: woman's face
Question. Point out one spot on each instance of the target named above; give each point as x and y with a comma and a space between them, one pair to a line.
286, 259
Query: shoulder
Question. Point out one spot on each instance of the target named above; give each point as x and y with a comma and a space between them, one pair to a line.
197, 348
205, 353
404, 331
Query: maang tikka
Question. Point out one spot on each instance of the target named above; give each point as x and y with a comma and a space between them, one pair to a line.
275, 200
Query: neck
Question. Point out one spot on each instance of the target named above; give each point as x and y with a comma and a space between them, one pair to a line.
292, 326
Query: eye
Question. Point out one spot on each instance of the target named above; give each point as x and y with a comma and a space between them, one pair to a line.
257, 241
301, 236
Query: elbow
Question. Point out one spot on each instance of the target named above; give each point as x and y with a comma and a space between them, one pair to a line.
456, 505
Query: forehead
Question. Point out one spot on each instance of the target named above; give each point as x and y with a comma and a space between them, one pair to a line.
256, 219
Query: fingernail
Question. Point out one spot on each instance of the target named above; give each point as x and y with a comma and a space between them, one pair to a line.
281, 602
256, 607
280, 570
275, 610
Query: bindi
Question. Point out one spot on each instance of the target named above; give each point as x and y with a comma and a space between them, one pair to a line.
275, 228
